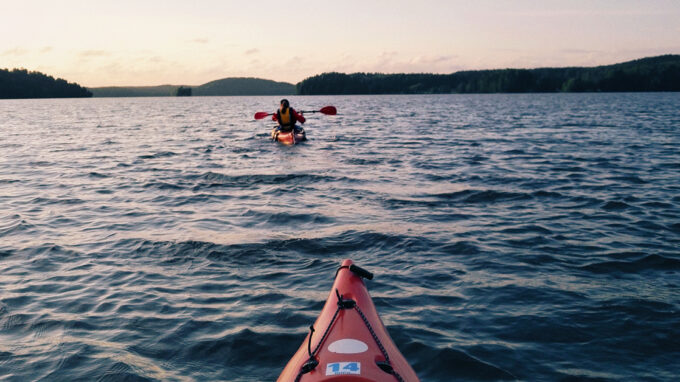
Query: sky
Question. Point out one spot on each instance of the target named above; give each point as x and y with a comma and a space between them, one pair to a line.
191, 42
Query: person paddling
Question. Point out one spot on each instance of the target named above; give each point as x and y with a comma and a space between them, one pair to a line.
286, 116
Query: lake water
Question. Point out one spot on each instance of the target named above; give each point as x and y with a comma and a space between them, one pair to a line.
531, 237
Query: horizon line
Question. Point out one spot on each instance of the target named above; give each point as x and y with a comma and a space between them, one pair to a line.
358, 72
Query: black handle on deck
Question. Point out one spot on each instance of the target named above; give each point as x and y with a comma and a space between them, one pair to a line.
361, 272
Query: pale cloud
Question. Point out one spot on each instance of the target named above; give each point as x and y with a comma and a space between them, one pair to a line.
250, 52
394, 62
580, 51
46, 49
587, 12
16, 51
126, 73
200, 41
155, 59
93, 53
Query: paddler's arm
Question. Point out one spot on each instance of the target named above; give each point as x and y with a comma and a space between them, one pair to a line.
299, 116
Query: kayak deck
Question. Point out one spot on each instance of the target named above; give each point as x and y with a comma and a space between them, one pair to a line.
349, 341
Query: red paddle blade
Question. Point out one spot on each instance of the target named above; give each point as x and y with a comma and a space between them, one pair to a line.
261, 114
329, 110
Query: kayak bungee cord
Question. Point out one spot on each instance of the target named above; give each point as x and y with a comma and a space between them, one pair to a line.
386, 366
312, 363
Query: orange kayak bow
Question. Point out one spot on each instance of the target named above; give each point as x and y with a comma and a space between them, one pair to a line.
348, 342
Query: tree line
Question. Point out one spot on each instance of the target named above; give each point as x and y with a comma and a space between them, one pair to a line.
660, 73
20, 83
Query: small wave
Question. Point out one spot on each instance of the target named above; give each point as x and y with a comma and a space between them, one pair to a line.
669, 165
647, 263
245, 347
196, 199
50, 201
570, 169
547, 194
10, 322
97, 175
212, 180
577, 203
659, 205
121, 371
519, 297
528, 228
284, 218
275, 251
40, 164
476, 159
460, 197
163, 154
365, 162
615, 206
491, 196
674, 227
632, 179
541, 328
528, 242
649, 225
450, 362
14, 226
163, 186
459, 248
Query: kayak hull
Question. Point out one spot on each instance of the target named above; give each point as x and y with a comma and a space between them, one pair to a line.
350, 351
291, 137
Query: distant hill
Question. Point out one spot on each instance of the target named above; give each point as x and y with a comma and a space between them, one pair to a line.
20, 83
236, 86
244, 86
660, 73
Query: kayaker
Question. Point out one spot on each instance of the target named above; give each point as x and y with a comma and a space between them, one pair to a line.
286, 116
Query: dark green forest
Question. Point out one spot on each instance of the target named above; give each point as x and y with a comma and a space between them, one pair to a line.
660, 73
20, 83
183, 91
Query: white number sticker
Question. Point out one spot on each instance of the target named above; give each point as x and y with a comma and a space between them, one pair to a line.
343, 368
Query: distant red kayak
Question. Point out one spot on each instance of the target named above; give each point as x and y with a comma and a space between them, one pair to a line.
289, 138
349, 342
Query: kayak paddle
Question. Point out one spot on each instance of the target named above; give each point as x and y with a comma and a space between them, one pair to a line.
262, 114
328, 110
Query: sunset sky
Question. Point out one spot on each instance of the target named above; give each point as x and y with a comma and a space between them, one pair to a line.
150, 42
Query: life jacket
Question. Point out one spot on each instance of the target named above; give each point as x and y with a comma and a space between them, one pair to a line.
286, 119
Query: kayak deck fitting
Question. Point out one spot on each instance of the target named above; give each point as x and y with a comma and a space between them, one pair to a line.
348, 341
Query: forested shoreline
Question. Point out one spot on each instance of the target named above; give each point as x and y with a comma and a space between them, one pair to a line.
660, 73
21, 83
